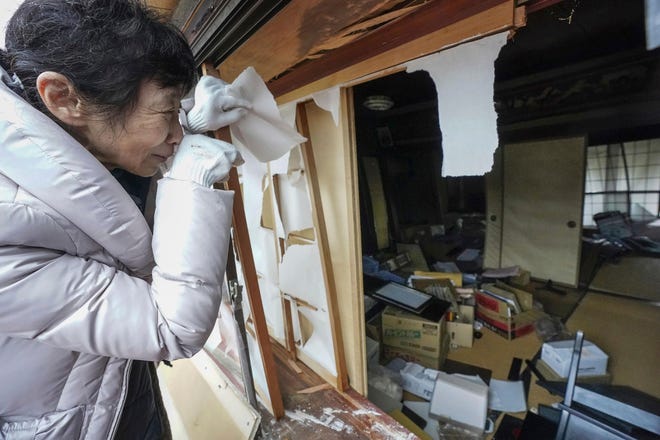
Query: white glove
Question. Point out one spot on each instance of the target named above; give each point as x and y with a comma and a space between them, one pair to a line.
217, 105
203, 160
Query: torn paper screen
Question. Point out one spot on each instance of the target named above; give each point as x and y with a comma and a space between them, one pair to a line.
301, 276
264, 254
262, 131
464, 77
295, 206
329, 100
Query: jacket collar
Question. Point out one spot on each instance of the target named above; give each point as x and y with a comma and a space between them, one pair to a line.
46, 161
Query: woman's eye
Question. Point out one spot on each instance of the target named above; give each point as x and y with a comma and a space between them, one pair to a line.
170, 113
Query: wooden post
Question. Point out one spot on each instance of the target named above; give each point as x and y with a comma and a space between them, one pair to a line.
324, 247
289, 338
244, 251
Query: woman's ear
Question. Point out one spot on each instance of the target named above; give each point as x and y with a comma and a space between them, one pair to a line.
60, 98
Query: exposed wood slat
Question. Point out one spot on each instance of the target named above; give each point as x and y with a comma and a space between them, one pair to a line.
296, 32
379, 20
324, 247
314, 389
244, 250
358, 30
289, 338
384, 49
294, 366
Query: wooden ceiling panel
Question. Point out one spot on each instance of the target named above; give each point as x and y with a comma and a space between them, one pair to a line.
164, 7
435, 23
305, 29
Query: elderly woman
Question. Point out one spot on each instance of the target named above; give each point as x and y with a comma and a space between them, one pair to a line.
89, 299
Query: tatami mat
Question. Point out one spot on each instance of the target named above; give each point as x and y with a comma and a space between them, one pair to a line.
628, 330
637, 277
557, 301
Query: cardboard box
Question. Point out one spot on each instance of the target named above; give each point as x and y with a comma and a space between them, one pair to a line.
497, 315
491, 304
455, 277
557, 355
373, 328
435, 363
411, 332
390, 353
512, 327
522, 279
525, 298
461, 332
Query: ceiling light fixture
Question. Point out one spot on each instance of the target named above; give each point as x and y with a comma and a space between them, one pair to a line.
378, 102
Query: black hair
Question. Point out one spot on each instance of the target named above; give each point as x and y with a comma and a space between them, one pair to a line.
106, 48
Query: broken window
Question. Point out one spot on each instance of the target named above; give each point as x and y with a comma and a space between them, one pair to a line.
623, 177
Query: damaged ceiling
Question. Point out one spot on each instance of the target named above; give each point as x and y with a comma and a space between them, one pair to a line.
306, 30
317, 39
309, 30
314, 37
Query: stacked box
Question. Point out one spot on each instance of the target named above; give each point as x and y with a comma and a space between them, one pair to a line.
497, 315
414, 338
461, 332
557, 355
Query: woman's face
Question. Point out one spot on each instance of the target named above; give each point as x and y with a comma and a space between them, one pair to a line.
147, 137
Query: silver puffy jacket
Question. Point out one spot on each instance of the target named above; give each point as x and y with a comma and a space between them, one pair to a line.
75, 254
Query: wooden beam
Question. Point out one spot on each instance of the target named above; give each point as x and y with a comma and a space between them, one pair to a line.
537, 5
324, 247
408, 38
314, 389
244, 251
300, 30
289, 338
352, 291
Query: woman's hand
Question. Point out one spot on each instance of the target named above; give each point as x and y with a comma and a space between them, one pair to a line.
203, 160
217, 105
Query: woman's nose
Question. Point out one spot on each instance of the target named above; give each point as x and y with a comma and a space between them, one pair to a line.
175, 133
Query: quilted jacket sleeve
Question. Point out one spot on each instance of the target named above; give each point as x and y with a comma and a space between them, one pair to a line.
86, 306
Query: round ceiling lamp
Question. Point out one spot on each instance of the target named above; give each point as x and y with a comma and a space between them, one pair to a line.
378, 102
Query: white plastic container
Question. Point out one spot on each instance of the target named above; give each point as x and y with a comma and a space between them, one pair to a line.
557, 355
460, 401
